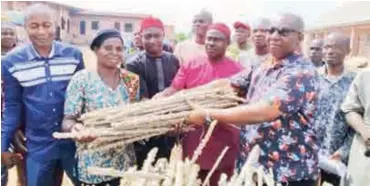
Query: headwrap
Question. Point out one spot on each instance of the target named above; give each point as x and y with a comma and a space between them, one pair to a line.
151, 22
103, 35
239, 24
222, 28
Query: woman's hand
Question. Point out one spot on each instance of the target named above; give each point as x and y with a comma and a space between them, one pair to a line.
83, 134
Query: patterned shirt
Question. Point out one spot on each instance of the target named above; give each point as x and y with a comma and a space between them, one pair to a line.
87, 92
35, 91
332, 131
288, 144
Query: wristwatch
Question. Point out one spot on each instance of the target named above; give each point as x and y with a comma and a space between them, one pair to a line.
208, 118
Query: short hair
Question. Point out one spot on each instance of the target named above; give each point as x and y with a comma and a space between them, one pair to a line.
342, 38
261, 21
37, 9
295, 20
206, 14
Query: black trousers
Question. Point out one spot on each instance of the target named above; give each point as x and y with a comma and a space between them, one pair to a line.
114, 182
299, 183
330, 178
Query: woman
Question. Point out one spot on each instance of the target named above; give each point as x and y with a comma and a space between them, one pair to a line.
107, 86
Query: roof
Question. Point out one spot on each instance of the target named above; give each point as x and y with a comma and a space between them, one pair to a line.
115, 14
347, 14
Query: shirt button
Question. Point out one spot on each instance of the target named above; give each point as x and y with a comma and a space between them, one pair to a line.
56, 123
51, 94
54, 110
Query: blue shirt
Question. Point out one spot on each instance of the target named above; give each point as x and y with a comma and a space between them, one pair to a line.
332, 131
34, 93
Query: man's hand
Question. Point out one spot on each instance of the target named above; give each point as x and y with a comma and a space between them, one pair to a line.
197, 116
83, 134
335, 156
10, 159
365, 134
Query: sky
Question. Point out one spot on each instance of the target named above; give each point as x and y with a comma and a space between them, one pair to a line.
180, 12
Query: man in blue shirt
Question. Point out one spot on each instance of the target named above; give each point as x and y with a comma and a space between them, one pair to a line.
36, 76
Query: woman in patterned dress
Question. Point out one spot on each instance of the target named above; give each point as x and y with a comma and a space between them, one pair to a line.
89, 90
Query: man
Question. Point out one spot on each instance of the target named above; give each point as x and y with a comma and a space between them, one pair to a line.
8, 38
356, 106
281, 99
316, 52
156, 69
241, 46
194, 47
259, 53
199, 71
332, 131
36, 77
8, 42
138, 47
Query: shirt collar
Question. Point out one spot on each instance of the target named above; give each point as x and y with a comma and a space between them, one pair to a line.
33, 54
323, 71
273, 64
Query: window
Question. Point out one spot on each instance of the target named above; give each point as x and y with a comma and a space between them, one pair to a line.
62, 23
82, 27
95, 25
128, 27
68, 26
117, 25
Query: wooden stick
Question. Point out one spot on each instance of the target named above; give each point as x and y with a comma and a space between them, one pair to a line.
218, 161
203, 143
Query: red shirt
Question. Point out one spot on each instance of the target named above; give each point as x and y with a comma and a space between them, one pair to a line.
200, 71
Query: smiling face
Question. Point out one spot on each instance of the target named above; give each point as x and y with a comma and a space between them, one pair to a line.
216, 44
153, 40
284, 36
8, 37
110, 53
40, 28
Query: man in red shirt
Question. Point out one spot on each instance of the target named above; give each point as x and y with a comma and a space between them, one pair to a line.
200, 71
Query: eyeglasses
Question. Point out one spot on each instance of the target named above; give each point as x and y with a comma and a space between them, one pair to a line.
282, 32
316, 48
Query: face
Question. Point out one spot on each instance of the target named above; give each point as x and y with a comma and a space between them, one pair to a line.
216, 44
152, 39
241, 35
316, 52
8, 37
334, 51
259, 36
200, 25
283, 39
110, 53
137, 40
40, 29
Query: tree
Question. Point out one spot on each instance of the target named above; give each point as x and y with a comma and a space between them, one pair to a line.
181, 36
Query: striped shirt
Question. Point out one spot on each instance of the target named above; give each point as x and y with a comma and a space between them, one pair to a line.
35, 92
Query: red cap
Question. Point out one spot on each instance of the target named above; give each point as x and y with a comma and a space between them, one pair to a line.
239, 24
222, 28
150, 22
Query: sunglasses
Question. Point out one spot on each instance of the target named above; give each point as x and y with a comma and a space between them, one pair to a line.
282, 32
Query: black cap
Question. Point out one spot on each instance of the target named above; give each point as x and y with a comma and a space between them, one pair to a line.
102, 35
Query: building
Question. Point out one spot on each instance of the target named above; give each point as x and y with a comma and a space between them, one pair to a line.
76, 25
350, 18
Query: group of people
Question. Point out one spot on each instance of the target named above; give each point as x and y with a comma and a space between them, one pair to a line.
298, 108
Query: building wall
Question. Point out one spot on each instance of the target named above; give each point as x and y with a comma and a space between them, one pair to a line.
359, 34
73, 35
104, 22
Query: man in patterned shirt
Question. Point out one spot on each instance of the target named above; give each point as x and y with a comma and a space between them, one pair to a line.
332, 131
278, 116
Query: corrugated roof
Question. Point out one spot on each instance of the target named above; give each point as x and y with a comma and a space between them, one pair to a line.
348, 13
116, 14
